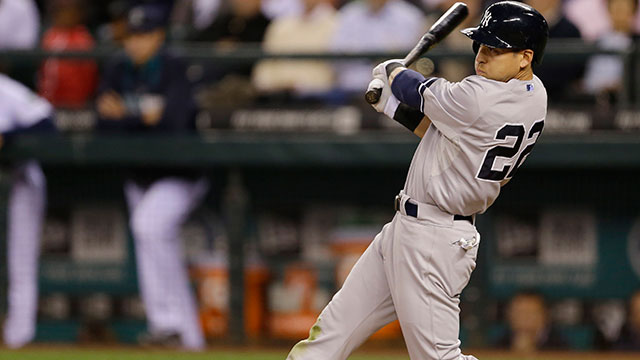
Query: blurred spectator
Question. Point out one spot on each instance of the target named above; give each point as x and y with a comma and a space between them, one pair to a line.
274, 9
115, 29
559, 25
452, 69
604, 74
147, 91
629, 339
19, 24
192, 16
204, 12
22, 111
560, 78
67, 83
308, 32
530, 326
243, 22
429, 4
370, 26
590, 16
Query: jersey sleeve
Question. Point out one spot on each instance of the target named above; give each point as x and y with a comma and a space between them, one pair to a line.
27, 108
451, 106
180, 108
33, 110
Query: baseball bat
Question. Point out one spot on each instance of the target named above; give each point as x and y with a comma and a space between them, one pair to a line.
438, 31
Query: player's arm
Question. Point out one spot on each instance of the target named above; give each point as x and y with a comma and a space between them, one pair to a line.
408, 111
411, 118
114, 112
407, 85
452, 107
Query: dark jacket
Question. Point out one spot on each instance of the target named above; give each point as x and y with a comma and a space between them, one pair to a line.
558, 76
164, 76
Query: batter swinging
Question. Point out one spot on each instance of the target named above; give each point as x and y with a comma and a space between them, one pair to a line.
475, 134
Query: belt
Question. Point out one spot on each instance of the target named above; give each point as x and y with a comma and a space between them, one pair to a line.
411, 209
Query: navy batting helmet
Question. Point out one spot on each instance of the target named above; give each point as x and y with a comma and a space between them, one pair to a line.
511, 25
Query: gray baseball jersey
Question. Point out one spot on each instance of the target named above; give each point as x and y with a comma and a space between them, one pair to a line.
417, 266
482, 130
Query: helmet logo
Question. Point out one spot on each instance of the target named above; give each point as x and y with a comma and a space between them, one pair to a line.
511, 25
136, 16
485, 19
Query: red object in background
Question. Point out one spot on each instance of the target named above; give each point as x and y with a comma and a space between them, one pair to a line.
212, 281
67, 83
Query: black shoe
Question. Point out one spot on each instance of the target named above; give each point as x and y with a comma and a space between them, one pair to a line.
160, 339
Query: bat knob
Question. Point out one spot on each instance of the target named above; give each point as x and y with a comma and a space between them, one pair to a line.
373, 96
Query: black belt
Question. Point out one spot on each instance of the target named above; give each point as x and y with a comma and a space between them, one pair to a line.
412, 210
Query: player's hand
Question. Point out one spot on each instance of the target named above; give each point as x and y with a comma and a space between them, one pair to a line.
110, 106
151, 118
387, 103
151, 109
384, 69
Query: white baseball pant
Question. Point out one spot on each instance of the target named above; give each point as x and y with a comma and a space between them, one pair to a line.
414, 271
156, 216
26, 210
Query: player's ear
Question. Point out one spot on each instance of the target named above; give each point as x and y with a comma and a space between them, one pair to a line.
527, 58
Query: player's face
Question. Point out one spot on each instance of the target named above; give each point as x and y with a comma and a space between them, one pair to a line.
143, 46
501, 64
527, 314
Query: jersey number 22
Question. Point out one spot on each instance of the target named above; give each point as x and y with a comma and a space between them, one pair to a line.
509, 152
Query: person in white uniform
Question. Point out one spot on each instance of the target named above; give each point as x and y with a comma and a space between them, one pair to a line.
145, 90
475, 134
22, 111
19, 24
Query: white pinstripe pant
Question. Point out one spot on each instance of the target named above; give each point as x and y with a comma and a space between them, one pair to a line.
26, 209
413, 271
156, 215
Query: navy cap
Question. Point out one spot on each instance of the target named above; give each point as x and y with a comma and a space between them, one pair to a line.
148, 17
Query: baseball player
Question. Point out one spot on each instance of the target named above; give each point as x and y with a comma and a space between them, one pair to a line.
22, 111
475, 134
146, 91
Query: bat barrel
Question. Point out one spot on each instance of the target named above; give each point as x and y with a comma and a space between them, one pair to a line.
427, 41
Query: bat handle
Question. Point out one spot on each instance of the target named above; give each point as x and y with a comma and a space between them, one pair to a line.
373, 96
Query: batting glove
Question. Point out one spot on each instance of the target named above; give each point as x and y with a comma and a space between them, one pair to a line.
385, 68
388, 103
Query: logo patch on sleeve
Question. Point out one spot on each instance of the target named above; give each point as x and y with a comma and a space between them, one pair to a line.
529, 87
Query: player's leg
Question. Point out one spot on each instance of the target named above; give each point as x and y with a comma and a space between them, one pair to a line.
134, 194
162, 274
427, 273
362, 306
27, 201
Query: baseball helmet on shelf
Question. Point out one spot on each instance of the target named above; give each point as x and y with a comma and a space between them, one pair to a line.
511, 25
